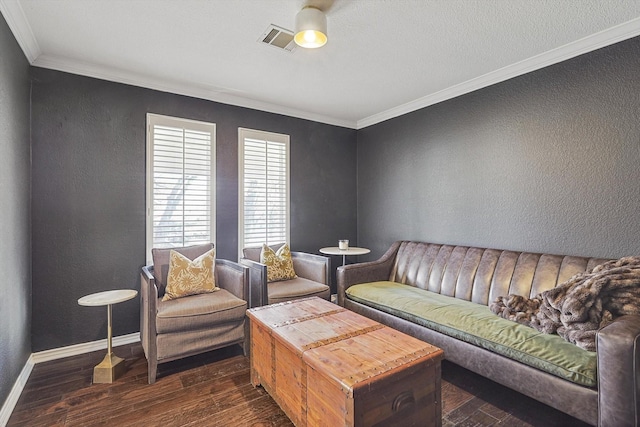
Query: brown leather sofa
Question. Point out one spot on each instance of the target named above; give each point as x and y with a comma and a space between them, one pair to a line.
480, 275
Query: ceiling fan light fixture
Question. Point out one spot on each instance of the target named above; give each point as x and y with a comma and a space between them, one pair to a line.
311, 28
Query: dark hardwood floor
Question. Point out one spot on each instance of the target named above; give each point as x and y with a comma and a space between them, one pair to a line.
214, 389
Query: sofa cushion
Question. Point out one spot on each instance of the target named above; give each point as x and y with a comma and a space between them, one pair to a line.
161, 261
279, 264
253, 252
199, 311
190, 277
296, 288
477, 325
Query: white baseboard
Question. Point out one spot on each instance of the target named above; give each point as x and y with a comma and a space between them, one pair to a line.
16, 391
87, 347
53, 354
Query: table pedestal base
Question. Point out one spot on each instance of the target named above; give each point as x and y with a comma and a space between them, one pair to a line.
109, 369
111, 366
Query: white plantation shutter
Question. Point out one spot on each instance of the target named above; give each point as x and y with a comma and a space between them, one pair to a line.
180, 182
264, 188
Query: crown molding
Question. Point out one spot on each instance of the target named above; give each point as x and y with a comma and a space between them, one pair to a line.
17, 21
19, 26
587, 44
181, 88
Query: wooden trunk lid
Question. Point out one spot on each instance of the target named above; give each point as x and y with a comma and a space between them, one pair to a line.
354, 362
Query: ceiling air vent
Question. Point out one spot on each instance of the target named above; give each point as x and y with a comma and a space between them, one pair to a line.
278, 37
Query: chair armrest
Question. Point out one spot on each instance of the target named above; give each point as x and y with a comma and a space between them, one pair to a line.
365, 272
619, 372
258, 292
148, 308
232, 277
312, 267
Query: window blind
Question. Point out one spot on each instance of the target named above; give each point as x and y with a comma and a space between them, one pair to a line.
181, 204
264, 206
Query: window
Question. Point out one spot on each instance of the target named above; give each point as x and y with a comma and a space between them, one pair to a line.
180, 182
264, 188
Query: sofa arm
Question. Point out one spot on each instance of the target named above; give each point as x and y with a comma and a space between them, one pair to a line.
312, 267
619, 372
233, 277
258, 292
364, 272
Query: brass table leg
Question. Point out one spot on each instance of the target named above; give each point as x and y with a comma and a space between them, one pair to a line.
111, 366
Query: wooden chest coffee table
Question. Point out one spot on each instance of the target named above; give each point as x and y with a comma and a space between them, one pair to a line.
327, 366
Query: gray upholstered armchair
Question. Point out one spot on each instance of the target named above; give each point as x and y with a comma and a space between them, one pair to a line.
313, 273
182, 327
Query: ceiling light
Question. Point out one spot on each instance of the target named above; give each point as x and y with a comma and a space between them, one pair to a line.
311, 28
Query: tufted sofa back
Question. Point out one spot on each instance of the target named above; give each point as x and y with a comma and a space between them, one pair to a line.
481, 275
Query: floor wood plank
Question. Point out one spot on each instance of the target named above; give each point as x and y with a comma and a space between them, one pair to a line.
214, 389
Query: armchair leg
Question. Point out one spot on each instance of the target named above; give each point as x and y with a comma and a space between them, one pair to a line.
153, 370
246, 344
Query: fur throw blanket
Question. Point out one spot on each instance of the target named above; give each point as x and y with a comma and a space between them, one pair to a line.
577, 308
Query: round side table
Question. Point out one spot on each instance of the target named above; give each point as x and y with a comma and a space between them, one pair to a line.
334, 250
111, 366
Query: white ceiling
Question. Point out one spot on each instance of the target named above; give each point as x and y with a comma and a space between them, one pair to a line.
384, 57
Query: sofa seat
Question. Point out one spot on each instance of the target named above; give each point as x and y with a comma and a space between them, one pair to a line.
296, 288
477, 325
199, 311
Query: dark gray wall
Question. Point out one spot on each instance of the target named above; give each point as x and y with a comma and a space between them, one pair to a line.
88, 139
546, 162
15, 228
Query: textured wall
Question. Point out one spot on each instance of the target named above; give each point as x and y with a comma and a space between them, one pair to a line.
15, 249
543, 162
88, 139
546, 162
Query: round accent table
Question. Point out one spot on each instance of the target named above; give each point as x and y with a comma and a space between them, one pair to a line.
334, 250
111, 366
